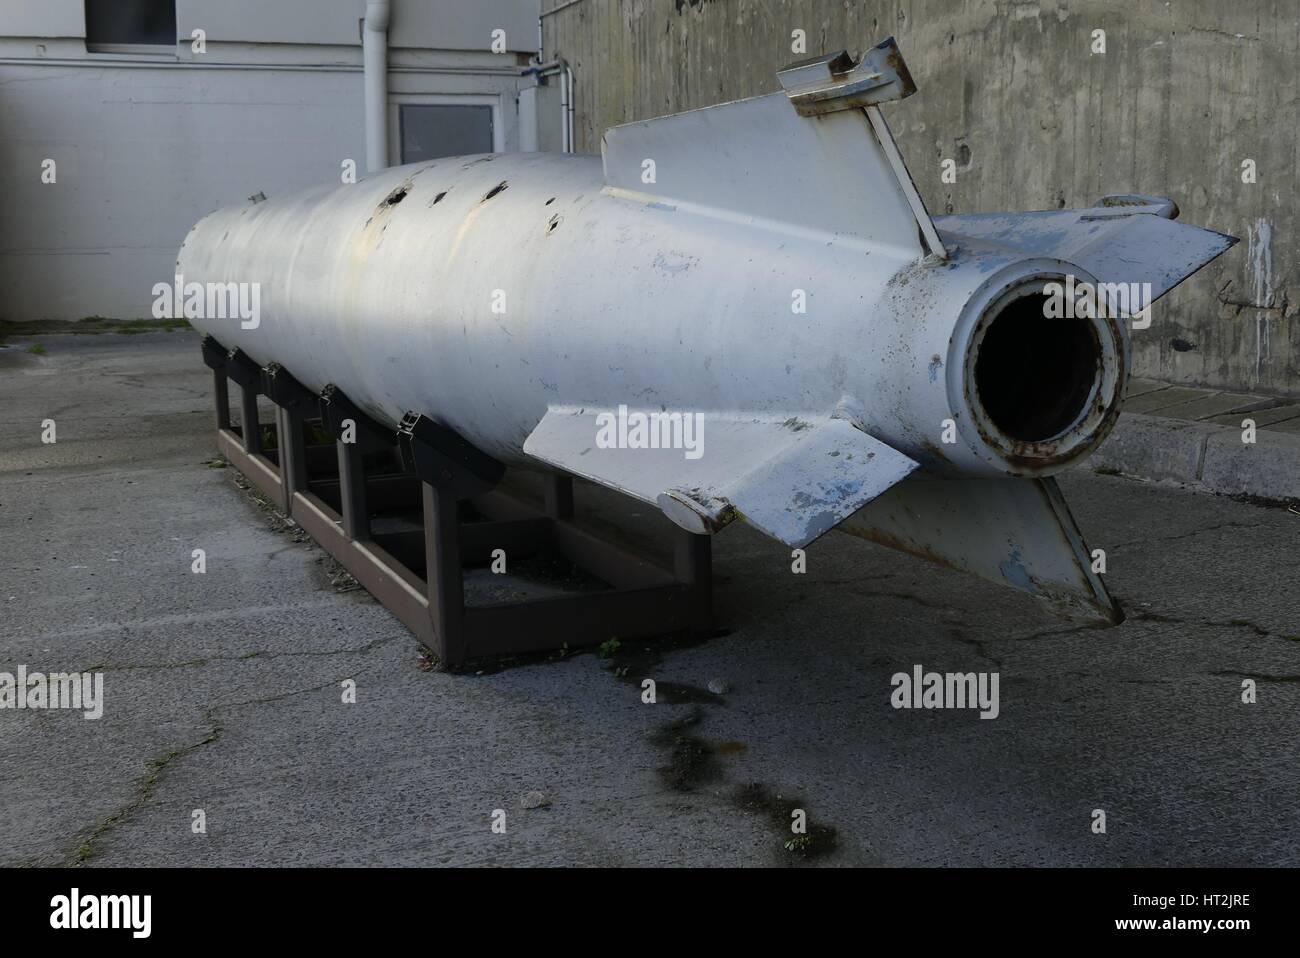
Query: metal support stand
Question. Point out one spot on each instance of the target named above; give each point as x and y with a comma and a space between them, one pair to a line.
243, 447
248, 376
293, 402
417, 570
214, 357
558, 496
356, 434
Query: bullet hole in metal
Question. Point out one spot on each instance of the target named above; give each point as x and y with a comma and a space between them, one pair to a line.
438, 199
1033, 375
963, 154
554, 222
549, 202
396, 196
495, 190
1182, 345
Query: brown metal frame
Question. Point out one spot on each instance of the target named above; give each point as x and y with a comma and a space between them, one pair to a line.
440, 471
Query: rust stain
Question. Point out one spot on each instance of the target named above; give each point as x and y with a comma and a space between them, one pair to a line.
465, 226
892, 541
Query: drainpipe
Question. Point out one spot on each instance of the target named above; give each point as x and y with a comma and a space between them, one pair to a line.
374, 49
561, 67
566, 104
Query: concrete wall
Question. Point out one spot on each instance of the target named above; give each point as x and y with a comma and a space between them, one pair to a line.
147, 143
1012, 92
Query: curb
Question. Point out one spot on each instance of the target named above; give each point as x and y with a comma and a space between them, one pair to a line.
1203, 456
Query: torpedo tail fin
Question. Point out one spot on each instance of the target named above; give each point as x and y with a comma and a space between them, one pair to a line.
1015, 532
792, 478
1130, 244
817, 157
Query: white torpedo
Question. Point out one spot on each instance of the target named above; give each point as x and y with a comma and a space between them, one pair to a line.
743, 312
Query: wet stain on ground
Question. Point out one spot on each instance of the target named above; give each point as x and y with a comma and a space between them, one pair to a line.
691, 759
694, 762
815, 842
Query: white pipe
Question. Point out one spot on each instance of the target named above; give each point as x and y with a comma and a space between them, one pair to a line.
565, 110
561, 67
374, 49
568, 110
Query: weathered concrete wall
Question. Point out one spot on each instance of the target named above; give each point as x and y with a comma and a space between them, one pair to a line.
1034, 119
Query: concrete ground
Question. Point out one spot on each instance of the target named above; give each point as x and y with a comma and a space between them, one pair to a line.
223, 690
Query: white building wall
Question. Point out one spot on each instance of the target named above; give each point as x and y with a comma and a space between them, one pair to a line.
43, 18
146, 144
418, 24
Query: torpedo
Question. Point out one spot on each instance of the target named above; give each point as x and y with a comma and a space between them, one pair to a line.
764, 270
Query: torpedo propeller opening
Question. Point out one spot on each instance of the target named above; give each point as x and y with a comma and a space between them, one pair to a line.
1034, 375
1042, 384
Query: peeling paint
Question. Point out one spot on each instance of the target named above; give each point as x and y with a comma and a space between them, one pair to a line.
1013, 570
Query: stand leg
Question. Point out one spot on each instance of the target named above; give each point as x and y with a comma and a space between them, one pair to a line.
248, 420
558, 494
693, 567
221, 390
293, 451
352, 492
446, 588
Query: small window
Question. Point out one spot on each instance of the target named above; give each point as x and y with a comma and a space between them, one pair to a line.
130, 23
429, 131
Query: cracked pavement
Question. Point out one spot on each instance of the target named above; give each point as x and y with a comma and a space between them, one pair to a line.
223, 690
